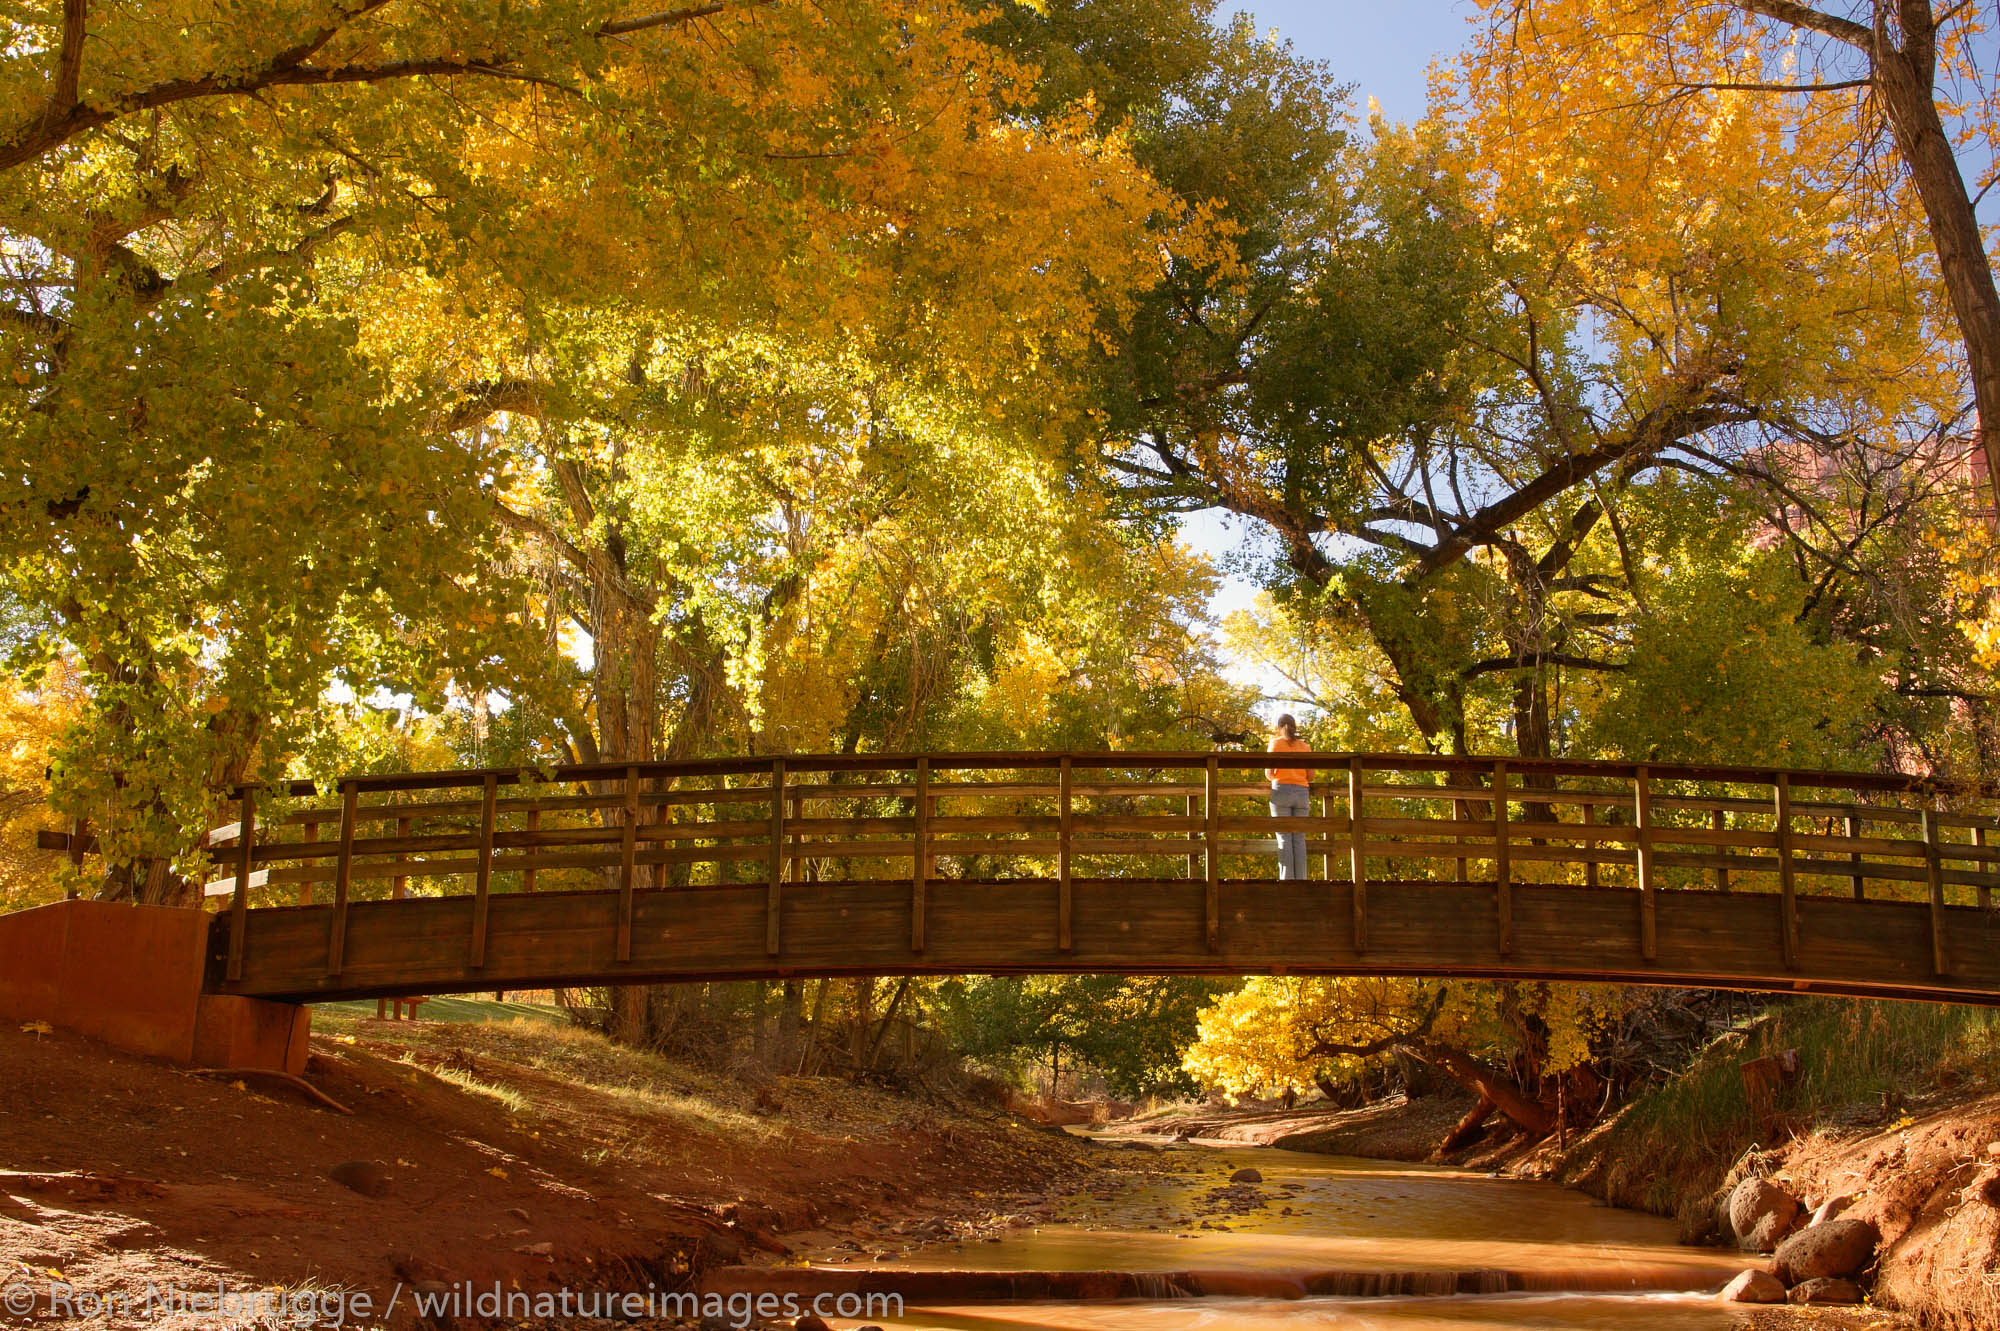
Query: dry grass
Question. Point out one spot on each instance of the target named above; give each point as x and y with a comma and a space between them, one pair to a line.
1857, 1060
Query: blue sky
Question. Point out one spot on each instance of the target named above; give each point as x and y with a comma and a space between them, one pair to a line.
1382, 47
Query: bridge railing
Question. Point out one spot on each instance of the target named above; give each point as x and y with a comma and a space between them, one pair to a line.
788, 823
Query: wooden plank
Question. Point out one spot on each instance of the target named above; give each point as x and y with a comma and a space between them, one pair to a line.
1211, 856
1357, 832
1027, 825
1065, 889
1788, 885
628, 851
1933, 863
1719, 822
774, 881
239, 899
343, 879
1431, 764
482, 885
1086, 824
920, 863
1503, 865
1649, 908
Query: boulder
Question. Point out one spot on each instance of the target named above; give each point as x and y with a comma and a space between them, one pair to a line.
1754, 1287
1836, 1248
1760, 1214
1831, 1208
1826, 1289
370, 1178
1246, 1176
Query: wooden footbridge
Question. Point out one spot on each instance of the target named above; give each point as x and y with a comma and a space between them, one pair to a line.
1115, 862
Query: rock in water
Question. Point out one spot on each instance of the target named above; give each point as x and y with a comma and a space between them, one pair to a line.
1754, 1287
1246, 1176
1836, 1248
1826, 1289
1760, 1214
368, 1177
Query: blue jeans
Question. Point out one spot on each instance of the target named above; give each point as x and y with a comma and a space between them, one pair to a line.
1291, 802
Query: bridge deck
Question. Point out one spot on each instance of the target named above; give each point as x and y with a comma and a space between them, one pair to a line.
1820, 882
1120, 925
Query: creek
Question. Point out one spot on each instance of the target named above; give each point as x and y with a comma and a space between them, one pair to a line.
1319, 1241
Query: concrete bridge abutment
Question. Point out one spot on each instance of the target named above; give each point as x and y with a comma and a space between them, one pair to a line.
131, 976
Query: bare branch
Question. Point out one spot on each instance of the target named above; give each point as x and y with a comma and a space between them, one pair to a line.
1805, 16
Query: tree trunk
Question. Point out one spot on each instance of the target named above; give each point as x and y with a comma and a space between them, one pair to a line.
628, 1014
1905, 78
812, 1031
791, 1012
895, 1003
1476, 1076
1468, 1127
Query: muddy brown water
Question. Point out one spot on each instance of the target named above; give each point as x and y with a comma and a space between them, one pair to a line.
1321, 1241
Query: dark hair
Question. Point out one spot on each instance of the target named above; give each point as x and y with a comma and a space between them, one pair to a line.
1290, 726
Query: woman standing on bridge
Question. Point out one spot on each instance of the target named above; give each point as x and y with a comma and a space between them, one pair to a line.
1291, 796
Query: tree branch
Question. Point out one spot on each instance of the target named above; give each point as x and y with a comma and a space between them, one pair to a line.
287, 68
1530, 661
1805, 16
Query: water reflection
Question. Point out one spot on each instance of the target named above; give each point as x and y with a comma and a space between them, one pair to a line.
1330, 1225
1315, 1213
1529, 1312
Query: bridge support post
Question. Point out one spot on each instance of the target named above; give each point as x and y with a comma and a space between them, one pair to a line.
1857, 880
1503, 861
628, 855
239, 899
482, 883
1985, 891
1934, 875
920, 851
1211, 834
1065, 902
1642, 817
1357, 830
131, 976
1788, 883
1590, 845
775, 883
343, 879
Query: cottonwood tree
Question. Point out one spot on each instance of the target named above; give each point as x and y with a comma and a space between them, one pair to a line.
1498, 1041
1888, 96
1437, 399
244, 262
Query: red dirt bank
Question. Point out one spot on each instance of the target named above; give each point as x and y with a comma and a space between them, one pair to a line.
116, 1171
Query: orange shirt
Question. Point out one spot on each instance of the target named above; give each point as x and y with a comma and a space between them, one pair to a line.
1288, 776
